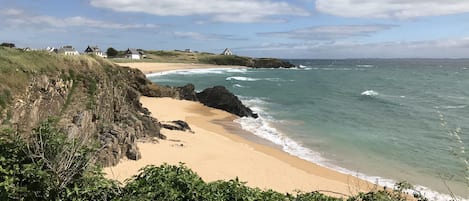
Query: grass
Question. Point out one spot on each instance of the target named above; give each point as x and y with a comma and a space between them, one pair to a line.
187, 57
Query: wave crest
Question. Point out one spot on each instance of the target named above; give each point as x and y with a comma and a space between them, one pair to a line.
370, 93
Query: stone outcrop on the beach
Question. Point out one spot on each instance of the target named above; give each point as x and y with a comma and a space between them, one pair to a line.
219, 97
178, 125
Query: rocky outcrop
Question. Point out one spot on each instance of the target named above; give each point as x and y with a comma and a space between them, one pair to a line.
219, 97
234, 60
102, 101
178, 125
271, 63
187, 92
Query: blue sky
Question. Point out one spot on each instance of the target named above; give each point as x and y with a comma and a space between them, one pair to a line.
258, 28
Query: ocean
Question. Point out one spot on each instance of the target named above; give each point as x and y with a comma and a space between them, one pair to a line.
383, 120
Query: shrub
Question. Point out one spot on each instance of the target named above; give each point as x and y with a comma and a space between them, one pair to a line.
21, 178
163, 183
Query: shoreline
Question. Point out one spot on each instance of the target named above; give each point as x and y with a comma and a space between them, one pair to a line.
150, 68
244, 157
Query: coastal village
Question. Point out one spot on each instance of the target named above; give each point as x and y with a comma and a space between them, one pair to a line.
130, 53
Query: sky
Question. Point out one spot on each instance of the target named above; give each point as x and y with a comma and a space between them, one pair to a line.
309, 29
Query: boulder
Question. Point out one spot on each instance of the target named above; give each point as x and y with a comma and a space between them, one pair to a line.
177, 125
219, 97
187, 92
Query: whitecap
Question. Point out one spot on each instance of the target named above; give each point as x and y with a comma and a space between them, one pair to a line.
453, 106
365, 66
242, 79
370, 93
238, 85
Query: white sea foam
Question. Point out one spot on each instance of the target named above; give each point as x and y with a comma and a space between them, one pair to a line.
365, 66
242, 78
370, 93
238, 85
199, 71
250, 79
263, 128
451, 107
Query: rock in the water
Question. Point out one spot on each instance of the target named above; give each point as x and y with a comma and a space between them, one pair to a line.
177, 125
219, 97
271, 63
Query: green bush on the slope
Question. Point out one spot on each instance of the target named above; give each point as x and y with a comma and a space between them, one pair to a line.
35, 169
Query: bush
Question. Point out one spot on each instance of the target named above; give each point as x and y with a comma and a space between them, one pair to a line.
163, 183
168, 182
21, 178
50, 166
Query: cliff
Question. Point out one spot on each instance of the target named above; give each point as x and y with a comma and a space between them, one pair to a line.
87, 94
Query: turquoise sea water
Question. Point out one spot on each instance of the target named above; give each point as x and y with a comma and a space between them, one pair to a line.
378, 119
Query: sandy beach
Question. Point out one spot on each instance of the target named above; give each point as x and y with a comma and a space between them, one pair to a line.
216, 151
148, 68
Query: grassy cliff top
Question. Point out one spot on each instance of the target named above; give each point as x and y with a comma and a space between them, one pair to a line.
17, 67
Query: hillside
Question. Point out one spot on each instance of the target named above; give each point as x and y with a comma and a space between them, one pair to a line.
88, 95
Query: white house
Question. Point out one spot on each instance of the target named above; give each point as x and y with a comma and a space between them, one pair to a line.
66, 50
95, 50
227, 52
134, 54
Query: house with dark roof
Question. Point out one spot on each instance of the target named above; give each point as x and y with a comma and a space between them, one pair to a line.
66, 50
95, 50
134, 54
227, 52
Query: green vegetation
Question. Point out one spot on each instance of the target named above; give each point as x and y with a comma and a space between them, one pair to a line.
50, 166
227, 60
5, 98
111, 52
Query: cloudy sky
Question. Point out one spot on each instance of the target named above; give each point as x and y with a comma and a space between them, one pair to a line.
259, 28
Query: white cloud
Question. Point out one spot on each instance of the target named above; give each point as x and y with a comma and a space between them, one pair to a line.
244, 11
20, 18
401, 9
330, 32
203, 36
443, 48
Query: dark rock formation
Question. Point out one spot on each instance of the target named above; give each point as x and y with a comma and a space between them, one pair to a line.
234, 60
187, 92
177, 125
271, 63
219, 97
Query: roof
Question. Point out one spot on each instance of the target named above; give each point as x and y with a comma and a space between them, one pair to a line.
226, 51
93, 49
67, 48
135, 51
132, 51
